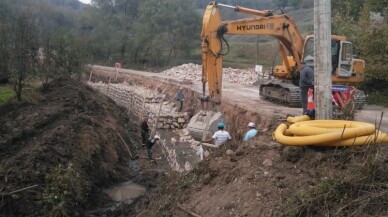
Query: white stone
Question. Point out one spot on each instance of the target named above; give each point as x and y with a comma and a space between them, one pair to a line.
267, 163
173, 141
185, 132
229, 152
188, 166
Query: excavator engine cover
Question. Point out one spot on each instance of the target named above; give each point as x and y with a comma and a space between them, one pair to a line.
198, 124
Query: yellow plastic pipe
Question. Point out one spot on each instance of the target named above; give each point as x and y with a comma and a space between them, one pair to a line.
316, 127
378, 138
292, 120
329, 133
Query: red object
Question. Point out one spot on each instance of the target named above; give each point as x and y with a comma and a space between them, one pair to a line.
310, 99
342, 98
118, 65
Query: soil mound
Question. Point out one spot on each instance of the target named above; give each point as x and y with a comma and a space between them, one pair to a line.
60, 149
263, 178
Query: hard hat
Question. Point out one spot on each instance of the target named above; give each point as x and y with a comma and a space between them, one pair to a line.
308, 58
251, 124
220, 125
156, 137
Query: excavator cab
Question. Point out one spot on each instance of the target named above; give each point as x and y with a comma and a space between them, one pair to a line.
345, 69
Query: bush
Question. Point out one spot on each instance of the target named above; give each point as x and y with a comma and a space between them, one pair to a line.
66, 190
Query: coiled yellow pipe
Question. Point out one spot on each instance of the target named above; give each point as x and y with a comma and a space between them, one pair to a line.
329, 133
295, 119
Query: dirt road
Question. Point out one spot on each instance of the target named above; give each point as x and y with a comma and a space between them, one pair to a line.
247, 97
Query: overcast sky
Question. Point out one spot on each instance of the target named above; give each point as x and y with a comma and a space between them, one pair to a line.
85, 1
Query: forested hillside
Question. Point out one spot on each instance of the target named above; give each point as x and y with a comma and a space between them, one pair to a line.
153, 33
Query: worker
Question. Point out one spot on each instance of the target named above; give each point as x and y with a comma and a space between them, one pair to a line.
221, 136
179, 98
306, 81
251, 132
149, 144
144, 131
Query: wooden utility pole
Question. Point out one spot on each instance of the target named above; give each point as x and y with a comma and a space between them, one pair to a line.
322, 60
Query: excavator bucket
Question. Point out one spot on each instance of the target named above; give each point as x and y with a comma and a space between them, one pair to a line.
204, 124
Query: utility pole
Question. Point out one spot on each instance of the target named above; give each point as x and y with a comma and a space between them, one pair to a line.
322, 60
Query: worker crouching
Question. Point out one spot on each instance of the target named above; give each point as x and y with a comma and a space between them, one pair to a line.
219, 137
252, 132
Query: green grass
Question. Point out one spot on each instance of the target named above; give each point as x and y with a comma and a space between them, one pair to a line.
6, 93
377, 98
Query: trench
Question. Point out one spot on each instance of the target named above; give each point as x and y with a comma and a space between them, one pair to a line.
153, 95
143, 94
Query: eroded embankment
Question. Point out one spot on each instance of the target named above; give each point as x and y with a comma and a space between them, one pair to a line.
56, 153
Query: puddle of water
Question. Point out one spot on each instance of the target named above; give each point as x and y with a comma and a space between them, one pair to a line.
125, 192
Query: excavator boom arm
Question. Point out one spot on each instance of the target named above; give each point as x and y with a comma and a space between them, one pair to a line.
281, 27
211, 48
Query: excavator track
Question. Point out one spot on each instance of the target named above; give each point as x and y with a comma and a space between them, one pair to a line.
281, 93
289, 94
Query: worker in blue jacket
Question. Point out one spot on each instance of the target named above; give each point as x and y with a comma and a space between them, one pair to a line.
251, 132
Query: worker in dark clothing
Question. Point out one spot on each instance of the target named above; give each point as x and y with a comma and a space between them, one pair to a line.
144, 131
179, 98
149, 144
306, 81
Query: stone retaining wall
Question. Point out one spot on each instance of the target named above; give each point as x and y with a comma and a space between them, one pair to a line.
142, 102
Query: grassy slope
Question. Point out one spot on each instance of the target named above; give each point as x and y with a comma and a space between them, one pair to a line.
6, 93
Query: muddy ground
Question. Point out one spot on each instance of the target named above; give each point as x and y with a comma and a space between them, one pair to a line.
58, 154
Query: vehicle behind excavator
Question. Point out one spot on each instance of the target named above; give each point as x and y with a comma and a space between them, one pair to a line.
293, 49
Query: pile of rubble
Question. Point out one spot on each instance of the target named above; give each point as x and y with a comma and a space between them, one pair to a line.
169, 118
193, 72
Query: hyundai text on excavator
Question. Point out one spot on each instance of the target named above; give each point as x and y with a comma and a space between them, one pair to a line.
293, 49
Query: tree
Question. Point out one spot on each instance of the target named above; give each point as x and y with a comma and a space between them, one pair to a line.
5, 37
24, 52
296, 3
4, 51
47, 65
68, 55
281, 3
374, 52
164, 30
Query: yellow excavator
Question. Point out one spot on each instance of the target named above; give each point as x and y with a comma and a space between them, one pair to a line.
293, 49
